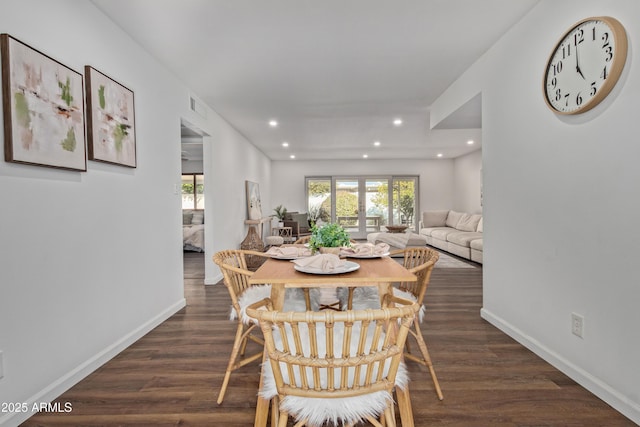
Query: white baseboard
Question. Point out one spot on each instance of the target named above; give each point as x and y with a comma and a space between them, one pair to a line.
64, 383
213, 280
596, 386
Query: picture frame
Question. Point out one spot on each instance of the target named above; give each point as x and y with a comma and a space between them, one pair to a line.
43, 109
254, 204
110, 120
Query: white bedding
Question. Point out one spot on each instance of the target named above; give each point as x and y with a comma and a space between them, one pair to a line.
193, 237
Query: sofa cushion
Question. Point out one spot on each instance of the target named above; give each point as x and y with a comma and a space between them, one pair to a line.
453, 218
476, 244
480, 225
434, 218
468, 222
427, 231
463, 238
442, 233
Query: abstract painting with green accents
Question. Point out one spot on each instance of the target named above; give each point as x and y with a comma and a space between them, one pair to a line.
43, 107
110, 120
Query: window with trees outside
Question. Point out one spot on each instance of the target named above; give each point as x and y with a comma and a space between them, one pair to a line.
363, 204
192, 191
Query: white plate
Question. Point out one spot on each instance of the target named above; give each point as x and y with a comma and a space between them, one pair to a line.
348, 255
348, 267
289, 258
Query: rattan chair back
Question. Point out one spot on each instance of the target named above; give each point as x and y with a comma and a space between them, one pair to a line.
419, 261
334, 355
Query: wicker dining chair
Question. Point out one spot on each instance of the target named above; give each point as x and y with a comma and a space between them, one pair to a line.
233, 264
302, 240
419, 261
334, 367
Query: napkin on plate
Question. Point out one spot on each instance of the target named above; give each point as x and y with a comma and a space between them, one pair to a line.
323, 262
288, 251
366, 249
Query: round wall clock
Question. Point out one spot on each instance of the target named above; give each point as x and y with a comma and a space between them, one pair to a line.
585, 65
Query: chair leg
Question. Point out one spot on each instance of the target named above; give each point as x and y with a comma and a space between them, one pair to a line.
422, 345
275, 412
239, 344
389, 417
284, 417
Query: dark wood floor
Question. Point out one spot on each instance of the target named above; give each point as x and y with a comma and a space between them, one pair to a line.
171, 376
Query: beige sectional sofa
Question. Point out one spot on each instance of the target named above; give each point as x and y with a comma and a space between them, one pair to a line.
456, 232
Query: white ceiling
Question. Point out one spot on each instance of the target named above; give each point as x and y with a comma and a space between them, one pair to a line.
333, 73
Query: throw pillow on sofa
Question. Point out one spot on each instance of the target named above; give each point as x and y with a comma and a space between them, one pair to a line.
453, 218
434, 218
468, 222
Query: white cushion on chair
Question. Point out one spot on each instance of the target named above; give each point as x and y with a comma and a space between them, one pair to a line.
340, 411
367, 297
293, 300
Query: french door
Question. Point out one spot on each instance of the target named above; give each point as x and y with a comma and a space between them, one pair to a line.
363, 204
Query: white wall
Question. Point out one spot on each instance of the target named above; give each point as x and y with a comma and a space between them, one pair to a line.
229, 161
288, 183
561, 200
92, 260
467, 182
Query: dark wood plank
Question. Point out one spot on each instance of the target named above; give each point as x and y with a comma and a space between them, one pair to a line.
172, 375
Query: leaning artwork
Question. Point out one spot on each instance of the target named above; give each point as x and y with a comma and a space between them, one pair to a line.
43, 107
110, 120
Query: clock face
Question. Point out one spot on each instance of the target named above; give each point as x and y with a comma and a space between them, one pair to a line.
585, 65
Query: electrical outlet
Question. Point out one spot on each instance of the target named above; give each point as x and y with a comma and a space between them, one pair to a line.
1, 365
577, 325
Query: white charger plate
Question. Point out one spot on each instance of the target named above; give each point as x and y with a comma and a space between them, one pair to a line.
348, 255
348, 267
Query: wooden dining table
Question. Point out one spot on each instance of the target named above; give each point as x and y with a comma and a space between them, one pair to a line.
381, 272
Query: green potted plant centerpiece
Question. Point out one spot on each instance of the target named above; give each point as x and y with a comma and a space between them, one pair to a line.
328, 238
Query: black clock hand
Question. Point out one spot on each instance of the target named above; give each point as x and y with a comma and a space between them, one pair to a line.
578, 64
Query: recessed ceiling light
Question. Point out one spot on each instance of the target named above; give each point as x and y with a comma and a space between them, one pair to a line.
273, 123
439, 154
376, 143
293, 156
397, 122
285, 144
470, 142
364, 156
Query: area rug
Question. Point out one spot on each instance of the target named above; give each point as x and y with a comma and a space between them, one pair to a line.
448, 261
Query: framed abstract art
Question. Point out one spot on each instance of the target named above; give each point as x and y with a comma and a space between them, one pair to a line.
110, 120
43, 103
254, 204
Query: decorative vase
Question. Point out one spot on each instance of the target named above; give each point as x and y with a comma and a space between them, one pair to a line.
325, 250
253, 242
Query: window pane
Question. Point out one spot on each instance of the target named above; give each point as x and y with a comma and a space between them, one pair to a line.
404, 196
199, 191
319, 199
347, 202
187, 192
377, 203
